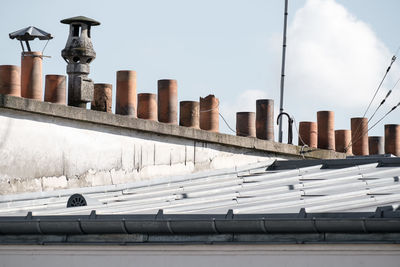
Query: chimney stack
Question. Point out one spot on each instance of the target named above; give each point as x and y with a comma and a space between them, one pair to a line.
168, 101
126, 93
326, 129
342, 141
147, 106
55, 89
376, 145
392, 139
10, 80
265, 119
246, 124
308, 132
31, 75
79, 53
102, 97
31, 62
359, 136
209, 113
189, 114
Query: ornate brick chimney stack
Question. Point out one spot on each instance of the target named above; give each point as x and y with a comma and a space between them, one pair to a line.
79, 53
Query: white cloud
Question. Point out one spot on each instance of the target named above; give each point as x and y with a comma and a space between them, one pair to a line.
334, 62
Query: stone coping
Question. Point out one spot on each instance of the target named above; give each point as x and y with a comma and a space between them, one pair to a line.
120, 121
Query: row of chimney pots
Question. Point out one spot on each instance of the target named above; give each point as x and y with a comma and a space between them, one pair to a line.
26, 81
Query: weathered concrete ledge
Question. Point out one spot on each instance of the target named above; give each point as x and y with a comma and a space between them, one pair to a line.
79, 114
45, 147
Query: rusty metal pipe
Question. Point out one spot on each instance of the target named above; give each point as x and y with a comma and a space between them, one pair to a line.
246, 124
10, 80
55, 89
265, 119
189, 114
147, 106
168, 101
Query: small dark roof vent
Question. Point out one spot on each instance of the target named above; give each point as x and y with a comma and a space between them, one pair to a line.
76, 200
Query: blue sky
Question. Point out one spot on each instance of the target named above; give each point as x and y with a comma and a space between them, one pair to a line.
338, 50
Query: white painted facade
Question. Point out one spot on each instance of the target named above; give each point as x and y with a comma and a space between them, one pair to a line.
202, 255
42, 153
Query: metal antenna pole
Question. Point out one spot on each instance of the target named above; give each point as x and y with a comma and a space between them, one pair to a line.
283, 69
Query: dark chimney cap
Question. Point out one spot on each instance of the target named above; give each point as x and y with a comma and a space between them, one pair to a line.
30, 33
82, 19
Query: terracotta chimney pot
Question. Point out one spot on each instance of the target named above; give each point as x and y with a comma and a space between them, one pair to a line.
102, 97
246, 124
308, 131
359, 136
168, 101
342, 141
31, 75
147, 106
189, 114
126, 93
209, 113
265, 119
55, 89
376, 145
326, 129
392, 139
10, 80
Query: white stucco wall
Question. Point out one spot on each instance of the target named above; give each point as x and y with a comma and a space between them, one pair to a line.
40, 153
202, 255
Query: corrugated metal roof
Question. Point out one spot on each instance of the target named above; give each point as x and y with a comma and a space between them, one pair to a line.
352, 185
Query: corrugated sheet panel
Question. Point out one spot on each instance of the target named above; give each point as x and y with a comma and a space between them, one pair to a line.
258, 188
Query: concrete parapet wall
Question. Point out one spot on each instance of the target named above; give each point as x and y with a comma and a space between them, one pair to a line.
45, 146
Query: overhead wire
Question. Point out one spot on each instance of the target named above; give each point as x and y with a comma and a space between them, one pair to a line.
223, 118
226, 123
373, 126
377, 90
356, 132
376, 110
383, 101
387, 113
380, 84
230, 128
304, 145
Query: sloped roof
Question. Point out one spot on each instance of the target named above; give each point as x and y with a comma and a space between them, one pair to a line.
322, 186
